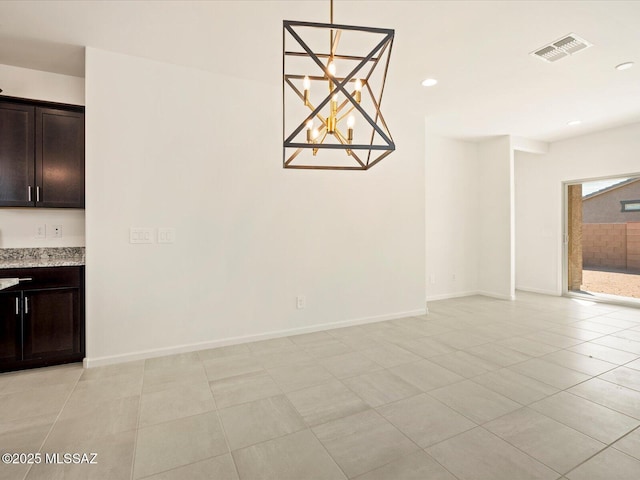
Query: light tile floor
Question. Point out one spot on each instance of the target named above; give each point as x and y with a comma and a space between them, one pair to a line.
538, 388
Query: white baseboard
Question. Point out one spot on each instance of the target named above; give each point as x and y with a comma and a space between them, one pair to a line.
499, 296
539, 290
445, 296
160, 352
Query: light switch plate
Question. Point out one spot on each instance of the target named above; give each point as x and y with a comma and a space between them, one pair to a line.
166, 235
56, 231
140, 235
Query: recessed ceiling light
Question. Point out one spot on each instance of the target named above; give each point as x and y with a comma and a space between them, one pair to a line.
574, 122
624, 66
429, 82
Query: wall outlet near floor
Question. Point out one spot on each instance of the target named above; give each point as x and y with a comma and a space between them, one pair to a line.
56, 231
301, 302
41, 231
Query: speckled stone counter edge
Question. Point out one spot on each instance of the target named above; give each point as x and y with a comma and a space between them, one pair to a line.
41, 257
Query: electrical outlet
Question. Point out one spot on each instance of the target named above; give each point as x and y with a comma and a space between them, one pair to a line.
57, 231
432, 279
41, 231
301, 302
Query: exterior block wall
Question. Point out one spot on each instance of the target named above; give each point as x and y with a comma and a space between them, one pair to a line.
633, 247
611, 246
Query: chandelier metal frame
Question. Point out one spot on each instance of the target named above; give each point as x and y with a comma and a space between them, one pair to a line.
362, 155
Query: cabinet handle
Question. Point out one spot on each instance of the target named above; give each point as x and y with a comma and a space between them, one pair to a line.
29, 192
17, 306
26, 304
37, 194
25, 279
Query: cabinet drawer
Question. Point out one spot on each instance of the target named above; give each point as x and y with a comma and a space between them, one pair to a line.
44, 277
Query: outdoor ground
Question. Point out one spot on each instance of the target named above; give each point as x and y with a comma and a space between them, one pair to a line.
623, 284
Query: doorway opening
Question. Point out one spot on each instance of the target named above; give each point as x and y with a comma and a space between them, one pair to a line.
603, 239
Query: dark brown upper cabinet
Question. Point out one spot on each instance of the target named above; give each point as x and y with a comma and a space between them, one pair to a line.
41, 154
17, 159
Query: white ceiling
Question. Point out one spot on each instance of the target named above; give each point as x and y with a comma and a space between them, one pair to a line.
478, 50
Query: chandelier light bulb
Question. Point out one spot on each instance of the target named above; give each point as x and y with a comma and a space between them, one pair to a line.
351, 121
309, 131
332, 69
315, 134
358, 89
306, 84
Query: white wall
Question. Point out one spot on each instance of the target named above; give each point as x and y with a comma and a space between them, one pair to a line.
18, 225
496, 235
452, 217
539, 197
469, 218
169, 146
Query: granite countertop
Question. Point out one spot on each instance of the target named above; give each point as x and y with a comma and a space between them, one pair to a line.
41, 257
8, 282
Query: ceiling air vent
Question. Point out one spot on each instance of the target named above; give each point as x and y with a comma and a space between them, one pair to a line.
567, 45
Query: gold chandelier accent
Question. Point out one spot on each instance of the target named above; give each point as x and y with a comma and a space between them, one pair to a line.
318, 102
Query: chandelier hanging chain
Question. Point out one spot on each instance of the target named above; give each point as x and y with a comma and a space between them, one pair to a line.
331, 31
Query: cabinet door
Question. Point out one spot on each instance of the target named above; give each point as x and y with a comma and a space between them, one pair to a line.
10, 328
17, 173
59, 158
51, 322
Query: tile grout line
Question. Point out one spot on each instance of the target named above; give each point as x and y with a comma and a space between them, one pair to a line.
561, 423
135, 440
562, 390
282, 393
180, 418
75, 384
316, 360
607, 446
311, 427
224, 431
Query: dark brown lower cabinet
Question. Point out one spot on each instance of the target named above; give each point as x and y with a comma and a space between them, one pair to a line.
42, 318
10, 329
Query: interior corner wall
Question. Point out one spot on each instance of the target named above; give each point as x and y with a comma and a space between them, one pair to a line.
18, 225
170, 146
451, 217
496, 234
539, 197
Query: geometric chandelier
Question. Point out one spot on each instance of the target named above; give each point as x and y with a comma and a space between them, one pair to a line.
332, 94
